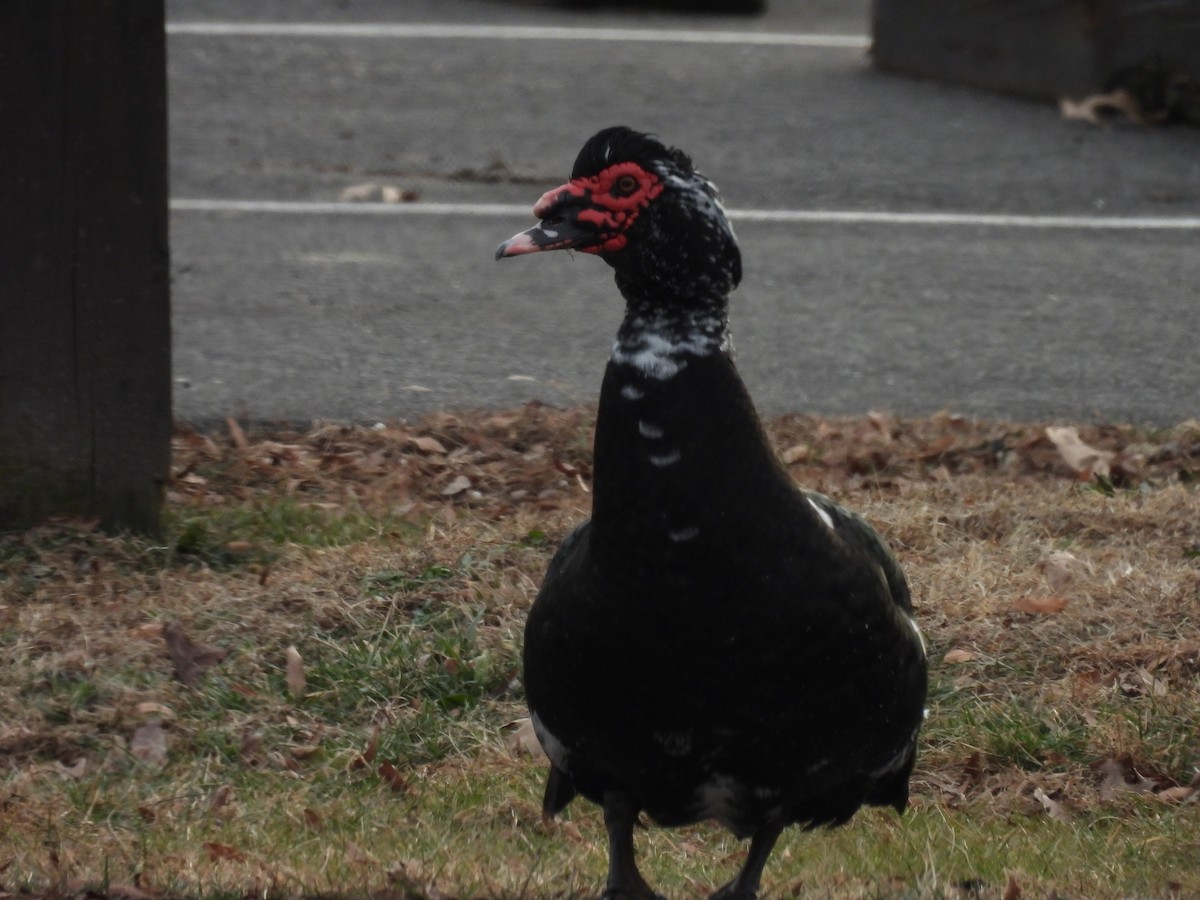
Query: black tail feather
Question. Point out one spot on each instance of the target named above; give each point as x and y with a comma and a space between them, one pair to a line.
560, 790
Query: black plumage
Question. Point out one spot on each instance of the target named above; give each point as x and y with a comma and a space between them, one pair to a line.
713, 643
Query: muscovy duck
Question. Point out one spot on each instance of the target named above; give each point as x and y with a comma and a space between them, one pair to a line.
713, 643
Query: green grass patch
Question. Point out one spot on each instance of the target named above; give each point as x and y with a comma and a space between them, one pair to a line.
233, 535
404, 596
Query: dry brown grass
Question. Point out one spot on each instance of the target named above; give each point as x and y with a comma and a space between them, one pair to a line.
1062, 605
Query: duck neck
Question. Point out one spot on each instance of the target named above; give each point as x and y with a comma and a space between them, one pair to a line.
673, 414
656, 338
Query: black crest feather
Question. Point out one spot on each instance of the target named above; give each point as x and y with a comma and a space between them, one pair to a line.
622, 144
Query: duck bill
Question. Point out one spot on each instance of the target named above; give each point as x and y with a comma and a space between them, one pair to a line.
566, 223
555, 233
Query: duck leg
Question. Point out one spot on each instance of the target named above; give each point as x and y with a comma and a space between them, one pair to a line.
745, 885
625, 882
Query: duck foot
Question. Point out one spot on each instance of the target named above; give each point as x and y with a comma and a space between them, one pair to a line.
625, 882
745, 885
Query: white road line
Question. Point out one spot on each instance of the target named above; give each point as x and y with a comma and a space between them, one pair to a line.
308, 208
511, 33
818, 216
994, 220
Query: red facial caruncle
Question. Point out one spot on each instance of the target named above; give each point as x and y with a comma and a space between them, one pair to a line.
592, 214
612, 200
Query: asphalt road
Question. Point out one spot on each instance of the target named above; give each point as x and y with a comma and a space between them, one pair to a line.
291, 313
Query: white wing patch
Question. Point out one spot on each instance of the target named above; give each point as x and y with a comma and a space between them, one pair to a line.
894, 764
912, 623
822, 512
554, 748
649, 430
816, 767
716, 798
680, 535
662, 460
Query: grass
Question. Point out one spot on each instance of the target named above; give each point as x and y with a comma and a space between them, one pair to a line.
399, 563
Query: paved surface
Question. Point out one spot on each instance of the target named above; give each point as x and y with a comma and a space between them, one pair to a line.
363, 317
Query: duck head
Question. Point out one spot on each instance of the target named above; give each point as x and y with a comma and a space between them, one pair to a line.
645, 210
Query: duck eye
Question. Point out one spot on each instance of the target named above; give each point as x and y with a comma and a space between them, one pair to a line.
625, 185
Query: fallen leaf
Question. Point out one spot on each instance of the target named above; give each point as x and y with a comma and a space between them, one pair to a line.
296, 681
1042, 606
427, 444
1053, 808
149, 631
1086, 460
1089, 109
357, 854
190, 659
149, 744
1176, 794
521, 739
312, 819
885, 424
1122, 775
367, 757
370, 193
220, 798
1080, 110
249, 747
358, 193
973, 770
1059, 567
457, 486
958, 655
1141, 682
794, 454
1123, 101
305, 751
75, 770
565, 467
571, 831
237, 435
150, 708
390, 774
218, 851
